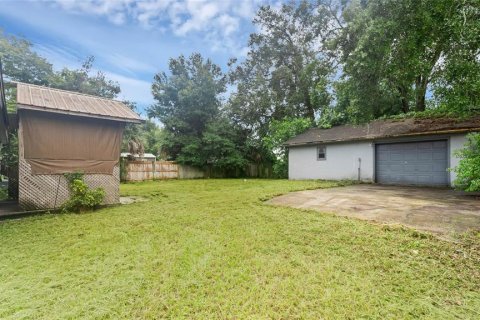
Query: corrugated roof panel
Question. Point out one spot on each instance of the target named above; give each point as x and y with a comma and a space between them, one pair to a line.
68, 102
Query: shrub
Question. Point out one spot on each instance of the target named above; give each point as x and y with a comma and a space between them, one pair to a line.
279, 132
468, 170
82, 198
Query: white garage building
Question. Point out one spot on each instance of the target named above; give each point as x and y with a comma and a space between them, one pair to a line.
403, 152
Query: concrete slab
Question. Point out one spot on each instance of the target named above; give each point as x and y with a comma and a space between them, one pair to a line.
436, 210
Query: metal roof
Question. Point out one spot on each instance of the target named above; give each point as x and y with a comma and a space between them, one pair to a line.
47, 99
381, 129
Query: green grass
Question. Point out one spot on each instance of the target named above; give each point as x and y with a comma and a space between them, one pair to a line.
211, 249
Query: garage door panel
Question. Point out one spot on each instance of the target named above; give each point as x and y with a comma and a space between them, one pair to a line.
440, 166
439, 155
424, 145
383, 156
412, 163
422, 168
408, 146
396, 156
424, 180
425, 156
440, 144
411, 156
409, 168
395, 168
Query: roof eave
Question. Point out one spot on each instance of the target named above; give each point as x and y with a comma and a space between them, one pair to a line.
78, 114
438, 132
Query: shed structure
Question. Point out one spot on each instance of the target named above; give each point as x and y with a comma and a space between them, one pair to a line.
62, 132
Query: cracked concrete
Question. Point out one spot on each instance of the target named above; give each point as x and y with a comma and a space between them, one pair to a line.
436, 210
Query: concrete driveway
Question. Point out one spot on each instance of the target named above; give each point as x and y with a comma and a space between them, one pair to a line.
435, 210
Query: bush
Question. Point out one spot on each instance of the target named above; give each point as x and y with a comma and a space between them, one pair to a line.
279, 132
82, 198
468, 170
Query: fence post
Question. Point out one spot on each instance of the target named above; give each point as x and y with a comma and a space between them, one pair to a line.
154, 168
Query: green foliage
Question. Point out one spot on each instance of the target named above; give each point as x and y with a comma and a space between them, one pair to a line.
3, 194
279, 133
84, 81
22, 63
283, 75
468, 170
188, 104
393, 52
9, 152
82, 198
149, 133
457, 88
331, 117
220, 146
123, 169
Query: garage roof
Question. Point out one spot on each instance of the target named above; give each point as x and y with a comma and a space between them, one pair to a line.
47, 99
385, 129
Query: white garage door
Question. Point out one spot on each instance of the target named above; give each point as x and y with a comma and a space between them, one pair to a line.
412, 163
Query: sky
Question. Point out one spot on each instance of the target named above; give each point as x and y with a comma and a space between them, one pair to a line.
132, 40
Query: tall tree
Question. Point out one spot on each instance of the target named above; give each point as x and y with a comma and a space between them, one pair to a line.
394, 50
21, 63
189, 106
85, 80
284, 65
287, 71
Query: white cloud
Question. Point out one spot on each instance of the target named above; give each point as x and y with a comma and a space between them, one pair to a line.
129, 64
218, 21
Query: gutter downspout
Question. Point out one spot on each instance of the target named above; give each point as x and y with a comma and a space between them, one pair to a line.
359, 169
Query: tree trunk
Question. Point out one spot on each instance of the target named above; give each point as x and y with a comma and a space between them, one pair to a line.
420, 92
308, 104
404, 99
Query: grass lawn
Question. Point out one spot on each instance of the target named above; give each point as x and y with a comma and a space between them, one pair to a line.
211, 249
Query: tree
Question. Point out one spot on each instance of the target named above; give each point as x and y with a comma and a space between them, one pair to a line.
21, 63
394, 51
279, 132
468, 170
457, 88
284, 75
84, 80
287, 71
189, 106
149, 134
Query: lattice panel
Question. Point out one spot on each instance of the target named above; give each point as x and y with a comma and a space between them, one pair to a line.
51, 191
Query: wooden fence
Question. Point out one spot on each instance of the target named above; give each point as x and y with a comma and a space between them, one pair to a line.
153, 170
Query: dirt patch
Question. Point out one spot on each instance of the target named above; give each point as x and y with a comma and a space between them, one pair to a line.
132, 199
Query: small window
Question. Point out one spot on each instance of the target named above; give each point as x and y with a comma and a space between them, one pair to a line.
321, 153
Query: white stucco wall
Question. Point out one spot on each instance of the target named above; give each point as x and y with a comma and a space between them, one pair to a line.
342, 159
341, 162
456, 142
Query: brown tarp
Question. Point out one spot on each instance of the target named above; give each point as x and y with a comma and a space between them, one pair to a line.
56, 144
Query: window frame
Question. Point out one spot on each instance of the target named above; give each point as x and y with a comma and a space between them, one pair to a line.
324, 147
